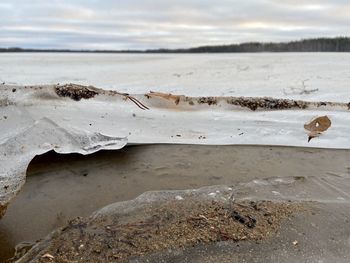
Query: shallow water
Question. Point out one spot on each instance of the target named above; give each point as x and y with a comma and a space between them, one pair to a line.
61, 187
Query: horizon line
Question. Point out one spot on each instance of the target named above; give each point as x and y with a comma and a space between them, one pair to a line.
168, 50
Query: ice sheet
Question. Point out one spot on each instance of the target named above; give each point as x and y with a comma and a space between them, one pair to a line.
307, 76
71, 118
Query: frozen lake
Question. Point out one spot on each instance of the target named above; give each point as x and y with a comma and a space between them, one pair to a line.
307, 76
35, 120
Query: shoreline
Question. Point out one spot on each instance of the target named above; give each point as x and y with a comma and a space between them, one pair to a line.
62, 187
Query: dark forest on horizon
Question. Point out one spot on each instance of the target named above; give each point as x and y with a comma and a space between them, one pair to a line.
338, 44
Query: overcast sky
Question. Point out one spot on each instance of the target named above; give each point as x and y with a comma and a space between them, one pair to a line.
143, 24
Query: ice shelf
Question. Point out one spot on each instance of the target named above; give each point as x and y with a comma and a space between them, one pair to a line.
83, 119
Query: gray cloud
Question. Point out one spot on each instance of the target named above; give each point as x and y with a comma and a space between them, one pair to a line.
139, 24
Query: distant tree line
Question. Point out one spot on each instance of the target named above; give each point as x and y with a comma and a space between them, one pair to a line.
338, 44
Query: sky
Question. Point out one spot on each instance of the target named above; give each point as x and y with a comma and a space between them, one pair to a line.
146, 24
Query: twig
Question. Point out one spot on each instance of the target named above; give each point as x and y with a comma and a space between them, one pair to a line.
300, 91
242, 205
136, 101
231, 200
202, 216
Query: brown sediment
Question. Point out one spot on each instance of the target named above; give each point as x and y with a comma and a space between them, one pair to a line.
167, 96
6, 102
2, 210
244, 102
321, 103
174, 224
76, 92
267, 103
252, 103
208, 100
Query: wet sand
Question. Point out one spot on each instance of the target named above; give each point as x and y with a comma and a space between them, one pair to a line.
159, 222
320, 235
62, 187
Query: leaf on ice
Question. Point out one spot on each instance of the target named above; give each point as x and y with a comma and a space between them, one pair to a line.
317, 125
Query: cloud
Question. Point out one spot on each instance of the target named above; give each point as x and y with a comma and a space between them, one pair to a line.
137, 24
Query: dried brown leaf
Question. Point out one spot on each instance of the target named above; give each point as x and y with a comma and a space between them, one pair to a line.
316, 126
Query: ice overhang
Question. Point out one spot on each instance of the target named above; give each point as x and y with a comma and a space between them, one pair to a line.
83, 119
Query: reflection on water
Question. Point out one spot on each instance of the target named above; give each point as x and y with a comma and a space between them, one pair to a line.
61, 187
